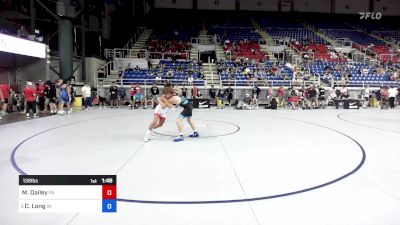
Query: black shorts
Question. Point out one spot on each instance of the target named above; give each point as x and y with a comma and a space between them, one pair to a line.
187, 111
52, 99
113, 97
101, 99
5, 101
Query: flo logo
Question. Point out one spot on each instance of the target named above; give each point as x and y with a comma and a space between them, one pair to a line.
370, 15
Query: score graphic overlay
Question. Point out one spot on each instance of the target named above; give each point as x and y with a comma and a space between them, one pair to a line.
67, 193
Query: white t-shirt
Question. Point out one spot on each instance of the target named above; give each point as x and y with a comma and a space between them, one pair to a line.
392, 92
86, 91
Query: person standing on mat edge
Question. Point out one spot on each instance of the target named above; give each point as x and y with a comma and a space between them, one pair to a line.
86, 95
101, 93
229, 91
170, 95
5, 90
212, 93
155, 92
42, 96
113, 95
30, 98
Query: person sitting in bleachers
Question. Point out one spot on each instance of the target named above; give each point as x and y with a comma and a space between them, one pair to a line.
128, 67
22, 32
137, 68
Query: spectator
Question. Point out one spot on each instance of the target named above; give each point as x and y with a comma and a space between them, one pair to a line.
378, 96
170, 74
281, 94
129, 67
41, 94
190, 80
229, 91
132, 91
121, 95
293, 99
155, 93
113, 95
62, 96
321, 96
367, 96
158, 79
184, 91
333, 96
244, 103
201, 75
87, 96
5, 90
120, 72
101, 92
30, 98
392, 96
137, 68
22, 32
256, 92
71, 97
274, 104
195, 92
220, 98
344, 93
312, 96
51, 96
138, 97
213, 94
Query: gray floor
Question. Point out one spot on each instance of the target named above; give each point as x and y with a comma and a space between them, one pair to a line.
284, 167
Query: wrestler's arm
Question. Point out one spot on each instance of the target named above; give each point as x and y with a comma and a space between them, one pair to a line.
174, 100
164, 102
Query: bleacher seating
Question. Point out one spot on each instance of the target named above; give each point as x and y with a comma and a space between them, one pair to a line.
320, 51
357, 78
239, 37
140, 76
250, 50
244, 72
235, 33
170, 39
359, 37
302, 35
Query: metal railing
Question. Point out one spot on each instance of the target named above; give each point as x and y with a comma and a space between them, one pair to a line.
389, 56
149, 82
244, 83
110, 53
163, 55
134, 38
107, 69
123, 53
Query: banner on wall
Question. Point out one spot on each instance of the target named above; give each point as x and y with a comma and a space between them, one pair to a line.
22, 46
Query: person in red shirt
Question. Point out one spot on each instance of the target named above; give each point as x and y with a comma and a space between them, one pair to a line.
30, 98
41, 94
5, 91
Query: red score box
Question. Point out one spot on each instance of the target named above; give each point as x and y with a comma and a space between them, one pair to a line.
109, 191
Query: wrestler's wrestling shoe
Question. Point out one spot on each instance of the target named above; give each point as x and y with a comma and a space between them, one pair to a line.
179, 138
194, 135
